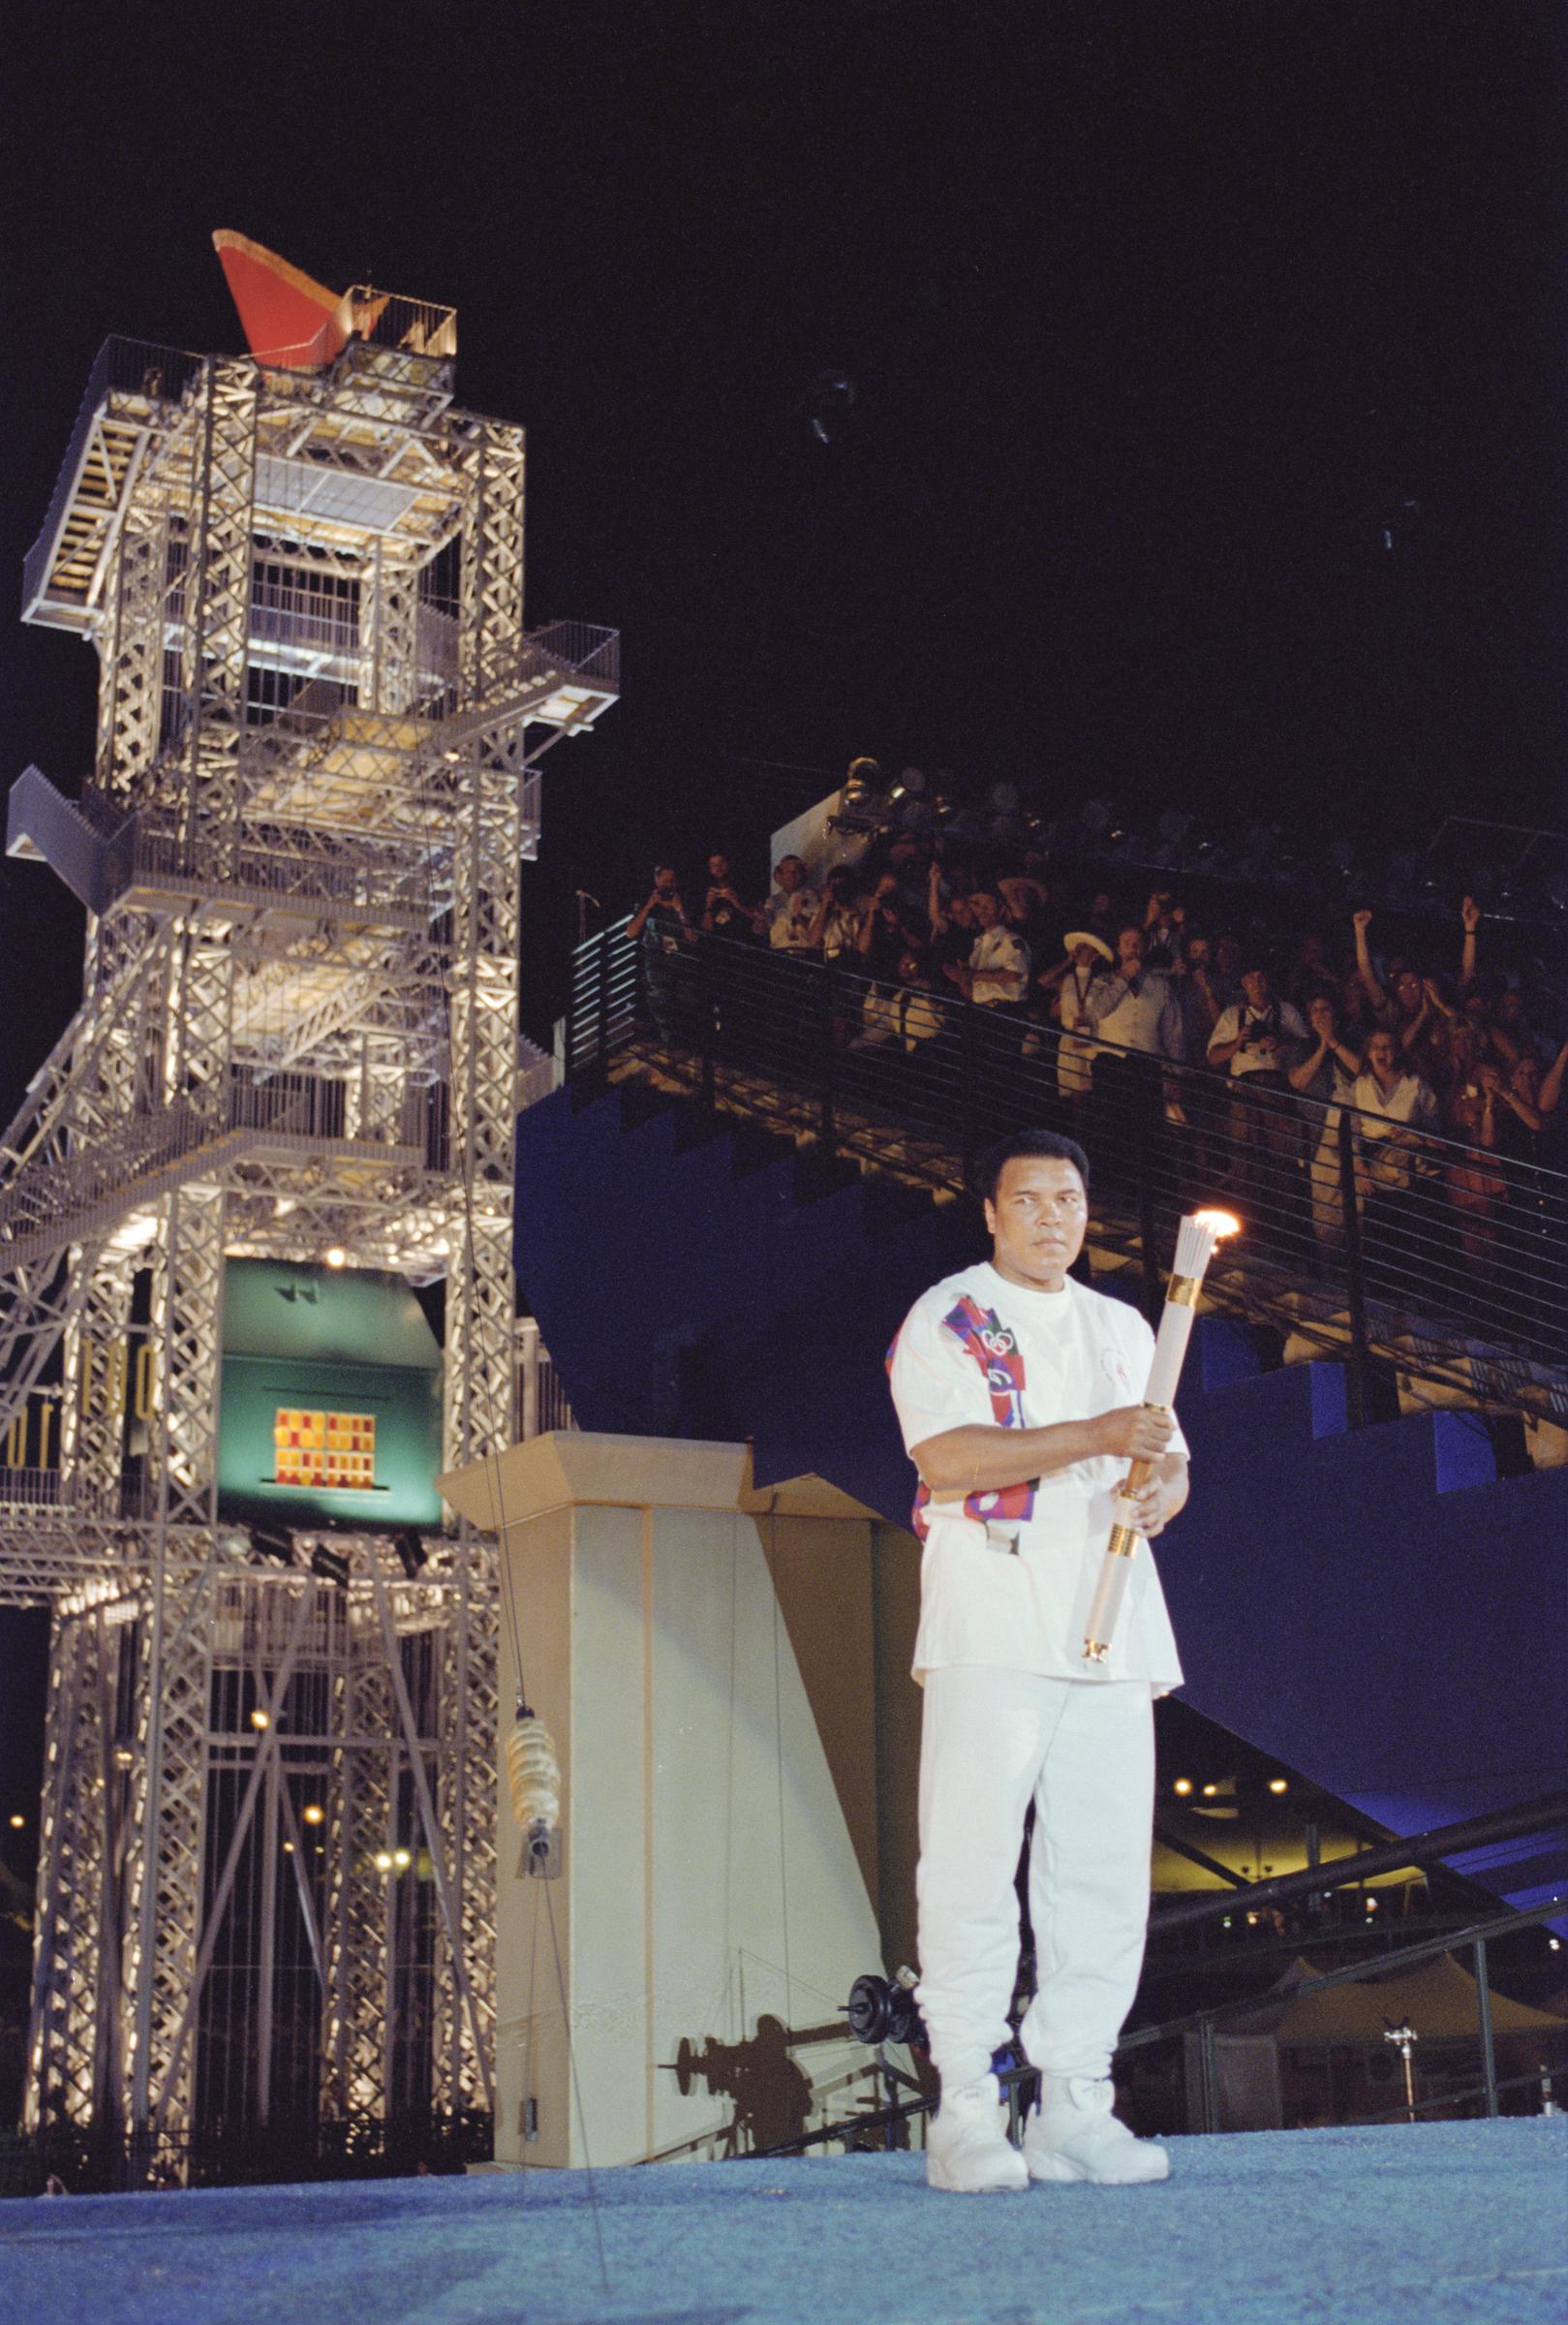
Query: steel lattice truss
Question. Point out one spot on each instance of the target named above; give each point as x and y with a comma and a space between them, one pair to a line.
320, 721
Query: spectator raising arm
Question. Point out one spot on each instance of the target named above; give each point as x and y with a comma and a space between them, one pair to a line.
1051, 981
933, 899
1470, 916
1548, 1095
1507, 1093
1485, 1131
1418, 1027
884, 933
1362, 921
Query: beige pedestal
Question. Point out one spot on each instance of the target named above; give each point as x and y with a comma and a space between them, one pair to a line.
726, 1675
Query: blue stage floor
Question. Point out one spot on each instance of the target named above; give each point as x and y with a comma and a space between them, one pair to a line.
1435, 2225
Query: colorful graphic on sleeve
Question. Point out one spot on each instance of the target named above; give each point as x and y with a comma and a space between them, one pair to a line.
986, 1339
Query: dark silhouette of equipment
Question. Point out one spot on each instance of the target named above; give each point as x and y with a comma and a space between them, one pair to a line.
772, 2094
884, 2010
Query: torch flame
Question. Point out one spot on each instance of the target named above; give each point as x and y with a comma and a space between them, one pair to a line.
1220, 1223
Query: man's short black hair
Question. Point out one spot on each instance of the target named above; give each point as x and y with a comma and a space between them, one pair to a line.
1027, 1146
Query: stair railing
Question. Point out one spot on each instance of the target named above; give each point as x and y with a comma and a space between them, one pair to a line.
1446, 1262
136, 367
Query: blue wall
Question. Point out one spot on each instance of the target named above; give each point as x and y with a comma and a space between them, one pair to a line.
1375, 1606
1376, 1598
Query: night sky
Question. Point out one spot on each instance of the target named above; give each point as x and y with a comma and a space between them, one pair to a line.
1155, 319
1208, 437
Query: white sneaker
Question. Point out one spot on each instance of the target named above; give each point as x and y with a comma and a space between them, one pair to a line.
968, 2151
1073, 2135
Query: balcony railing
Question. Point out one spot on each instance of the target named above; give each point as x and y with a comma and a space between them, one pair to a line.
69, 1198
1447, 1263
592, 653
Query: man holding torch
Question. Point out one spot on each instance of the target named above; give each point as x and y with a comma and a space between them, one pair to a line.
1019, 1395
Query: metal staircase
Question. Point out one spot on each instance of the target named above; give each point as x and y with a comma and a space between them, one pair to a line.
133, 388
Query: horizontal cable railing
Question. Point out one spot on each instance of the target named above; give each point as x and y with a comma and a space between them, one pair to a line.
1446, 1262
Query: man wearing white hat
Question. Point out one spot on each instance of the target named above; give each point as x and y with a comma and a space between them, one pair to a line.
1089, 956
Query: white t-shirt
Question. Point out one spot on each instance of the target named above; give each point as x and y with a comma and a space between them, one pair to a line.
999, 960
1014, 1590
788, 919
1408, 1105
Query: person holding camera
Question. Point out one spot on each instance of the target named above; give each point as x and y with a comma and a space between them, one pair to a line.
1257, 1039
1163, 923
1259, 1034
724, 913
888, 930
663, 932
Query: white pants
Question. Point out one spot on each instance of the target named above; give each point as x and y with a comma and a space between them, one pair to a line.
1084, 1751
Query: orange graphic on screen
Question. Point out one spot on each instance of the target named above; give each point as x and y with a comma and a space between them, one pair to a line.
336, 1449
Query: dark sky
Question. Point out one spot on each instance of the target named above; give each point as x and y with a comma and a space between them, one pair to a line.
1156, 316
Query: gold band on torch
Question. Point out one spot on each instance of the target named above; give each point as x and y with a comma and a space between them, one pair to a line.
1195, 1244
1124, 1539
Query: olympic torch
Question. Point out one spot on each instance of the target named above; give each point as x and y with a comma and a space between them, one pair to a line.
1196, 1242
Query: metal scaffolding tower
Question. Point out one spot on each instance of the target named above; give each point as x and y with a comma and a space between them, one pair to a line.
320, 722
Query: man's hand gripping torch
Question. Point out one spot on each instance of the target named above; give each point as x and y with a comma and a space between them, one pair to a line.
1197, 1239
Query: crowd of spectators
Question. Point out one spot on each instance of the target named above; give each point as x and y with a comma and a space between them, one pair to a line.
1413, 1025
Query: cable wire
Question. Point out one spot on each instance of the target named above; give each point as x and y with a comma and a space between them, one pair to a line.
577, 2092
